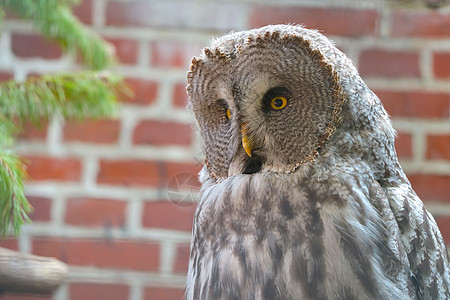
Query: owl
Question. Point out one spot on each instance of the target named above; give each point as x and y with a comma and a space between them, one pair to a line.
302, 193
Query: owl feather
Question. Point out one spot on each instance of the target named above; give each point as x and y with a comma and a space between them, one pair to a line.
302, 193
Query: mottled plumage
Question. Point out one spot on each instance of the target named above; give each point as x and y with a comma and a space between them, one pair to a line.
322, 208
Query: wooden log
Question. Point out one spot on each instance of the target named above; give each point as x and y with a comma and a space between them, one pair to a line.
31, 274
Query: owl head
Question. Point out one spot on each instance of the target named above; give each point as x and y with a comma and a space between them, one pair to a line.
281, 97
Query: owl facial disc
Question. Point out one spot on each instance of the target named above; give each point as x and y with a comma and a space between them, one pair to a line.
266, 104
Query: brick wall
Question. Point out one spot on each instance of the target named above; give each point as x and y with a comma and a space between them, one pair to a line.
113, 198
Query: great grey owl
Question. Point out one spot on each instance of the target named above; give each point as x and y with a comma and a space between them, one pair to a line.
302, 193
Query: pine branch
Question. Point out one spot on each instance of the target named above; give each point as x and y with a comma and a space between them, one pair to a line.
88, 95
7, 132
79, 96
55, 21
13, 203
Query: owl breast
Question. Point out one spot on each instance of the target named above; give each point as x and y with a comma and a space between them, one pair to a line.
288, 241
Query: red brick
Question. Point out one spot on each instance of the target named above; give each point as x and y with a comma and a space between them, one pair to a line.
41, 208
180, 97
31, 45
145, 173
9, 243
83, 11
431, 187
403, 145
443, 223
25, 297
108, 253
167, 215
126, 49
421, 24
416, 104
10, 14
51, 168
163, 293
182, 259
4, 75
438, 147
332, 21
441, 65
92, 131
95, 212
121, 14
213, 16
162, 133
183, 175
34, 132
96, 291
130, 172
386, 63
173, 54
174, 168
144, 91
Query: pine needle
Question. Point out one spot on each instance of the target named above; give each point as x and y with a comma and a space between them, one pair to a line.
7, 131
14, 206
86, 95
89, 95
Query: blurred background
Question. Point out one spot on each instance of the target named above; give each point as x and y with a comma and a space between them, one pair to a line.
115, 199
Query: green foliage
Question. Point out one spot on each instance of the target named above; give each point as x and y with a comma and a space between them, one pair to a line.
7, 129
90, 95
79, 96
55, 21
14, 206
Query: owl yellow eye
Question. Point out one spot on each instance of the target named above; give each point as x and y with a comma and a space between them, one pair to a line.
228, 114
278, 102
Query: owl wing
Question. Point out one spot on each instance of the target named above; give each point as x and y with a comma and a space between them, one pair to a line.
421, 241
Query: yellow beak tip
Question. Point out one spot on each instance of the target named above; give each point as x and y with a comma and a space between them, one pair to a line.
246, 142
247, 145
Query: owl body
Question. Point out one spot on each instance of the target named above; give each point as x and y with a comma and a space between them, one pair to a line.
302, 194
293, 242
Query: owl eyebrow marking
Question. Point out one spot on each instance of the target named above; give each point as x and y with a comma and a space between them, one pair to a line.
236, 91
218, 101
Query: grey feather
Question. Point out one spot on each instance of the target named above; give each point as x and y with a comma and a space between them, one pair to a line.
322, 209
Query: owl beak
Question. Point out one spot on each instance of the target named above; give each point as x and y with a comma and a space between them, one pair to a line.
246, 141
